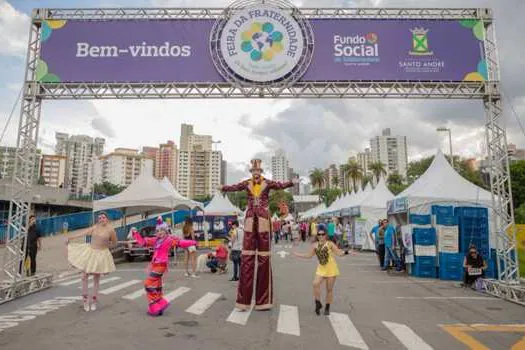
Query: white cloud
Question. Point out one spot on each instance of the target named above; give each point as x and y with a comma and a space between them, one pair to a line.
103, 126
14, 28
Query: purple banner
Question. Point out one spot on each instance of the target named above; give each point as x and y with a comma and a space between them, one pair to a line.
179, 51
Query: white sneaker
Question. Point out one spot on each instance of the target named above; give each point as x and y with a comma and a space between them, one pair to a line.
86, 304
93, 305
194, 275
186, 274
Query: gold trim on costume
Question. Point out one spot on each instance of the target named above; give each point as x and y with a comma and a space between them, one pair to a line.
264, 253
242, 306
249, 252
263, 307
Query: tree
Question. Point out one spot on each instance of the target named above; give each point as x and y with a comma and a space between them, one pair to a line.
276, 197
108, 189
346, 178
202, 199
378, 169
354, 172
335, 181
366, 180
396, 183
329, 195
517, 176
239, 199
519, 214
41, 181
418, 168
317, 178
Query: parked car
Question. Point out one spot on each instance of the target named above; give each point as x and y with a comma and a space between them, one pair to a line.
133, 250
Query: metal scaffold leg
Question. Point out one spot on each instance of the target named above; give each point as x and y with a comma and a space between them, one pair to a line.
15, 284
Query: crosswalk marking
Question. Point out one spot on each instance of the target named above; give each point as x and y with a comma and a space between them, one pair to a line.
65, 278
407, 337
346, 332
239, 317
176, 293
135, 295
119, 287
288, 322
203, 303
71, 282
104, 281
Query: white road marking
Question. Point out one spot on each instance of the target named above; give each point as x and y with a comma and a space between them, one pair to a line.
176, 293
288, 322
77, 280
239, 317
135, 295
65, 278
447, 298
346, 332
282, 254
119, 287
201, 305
407, 337
104, 281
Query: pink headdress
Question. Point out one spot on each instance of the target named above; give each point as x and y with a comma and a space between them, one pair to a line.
161, 225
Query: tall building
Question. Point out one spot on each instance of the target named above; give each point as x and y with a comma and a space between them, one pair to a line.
151, 153
331, 174
224, 172
280, 166
81, 151
166, 162
200, 169
53, 170
391, 151
364, 159
7, 163
122, 167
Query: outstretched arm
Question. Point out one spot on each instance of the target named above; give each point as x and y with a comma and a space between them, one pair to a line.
241, 186
308, 255
276, 185
145, 242
83, 233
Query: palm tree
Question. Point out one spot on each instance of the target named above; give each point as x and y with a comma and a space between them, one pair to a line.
346, 178
354, 172
395, 179
335, 181
317, 178
378, 169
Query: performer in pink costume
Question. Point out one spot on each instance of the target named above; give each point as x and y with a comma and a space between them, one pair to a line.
163, 242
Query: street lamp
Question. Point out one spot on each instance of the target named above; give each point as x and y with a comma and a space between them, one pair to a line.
216, 142
450, 143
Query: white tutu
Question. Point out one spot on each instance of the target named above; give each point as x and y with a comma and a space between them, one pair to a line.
90, 260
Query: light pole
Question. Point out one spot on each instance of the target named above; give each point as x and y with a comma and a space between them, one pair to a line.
449, 141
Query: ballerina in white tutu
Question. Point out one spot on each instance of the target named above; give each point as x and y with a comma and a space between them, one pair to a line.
93, 258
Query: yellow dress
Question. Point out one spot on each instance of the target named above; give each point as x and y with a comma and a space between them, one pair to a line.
330, 269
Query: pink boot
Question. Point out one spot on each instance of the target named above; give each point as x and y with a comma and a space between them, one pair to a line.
158, 308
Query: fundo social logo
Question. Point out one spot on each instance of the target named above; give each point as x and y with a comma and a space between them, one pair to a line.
261, 44
358, 48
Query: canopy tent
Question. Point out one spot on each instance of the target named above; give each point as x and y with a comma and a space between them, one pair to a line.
334, 207
145, 194
221, 206
442, 184
368, 210
169, 186
314, 212
354, 200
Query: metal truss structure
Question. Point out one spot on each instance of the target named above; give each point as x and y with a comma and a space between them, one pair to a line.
34, 93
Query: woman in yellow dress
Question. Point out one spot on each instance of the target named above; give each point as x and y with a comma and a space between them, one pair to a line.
327, 269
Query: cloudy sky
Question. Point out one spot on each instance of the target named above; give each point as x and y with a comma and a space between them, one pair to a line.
314, 133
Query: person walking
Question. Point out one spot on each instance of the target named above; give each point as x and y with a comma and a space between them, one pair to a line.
93, 258
327, 269
237, 239
390, 253
190, 253
34, 244
379, 242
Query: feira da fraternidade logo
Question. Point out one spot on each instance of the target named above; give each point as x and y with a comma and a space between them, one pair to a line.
261, 43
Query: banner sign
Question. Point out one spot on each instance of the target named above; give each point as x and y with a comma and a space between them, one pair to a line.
398, 205
261, 46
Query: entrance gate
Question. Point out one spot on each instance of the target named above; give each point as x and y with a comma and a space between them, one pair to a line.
261, 49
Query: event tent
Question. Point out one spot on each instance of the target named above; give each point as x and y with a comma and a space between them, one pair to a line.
442, 184
221, 206
169, 186
145, 194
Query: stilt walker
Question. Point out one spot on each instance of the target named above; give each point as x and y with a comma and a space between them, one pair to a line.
257, 239
162, 243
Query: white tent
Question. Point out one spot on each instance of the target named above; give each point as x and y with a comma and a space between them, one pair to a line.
221, 206
179, 197
145, 194
442, 184
372, 207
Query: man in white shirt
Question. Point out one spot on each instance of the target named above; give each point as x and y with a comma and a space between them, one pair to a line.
237, 236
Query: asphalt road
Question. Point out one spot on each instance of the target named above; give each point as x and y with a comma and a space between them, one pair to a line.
371, 310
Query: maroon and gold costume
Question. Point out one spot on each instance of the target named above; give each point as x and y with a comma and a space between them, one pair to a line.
257, 242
